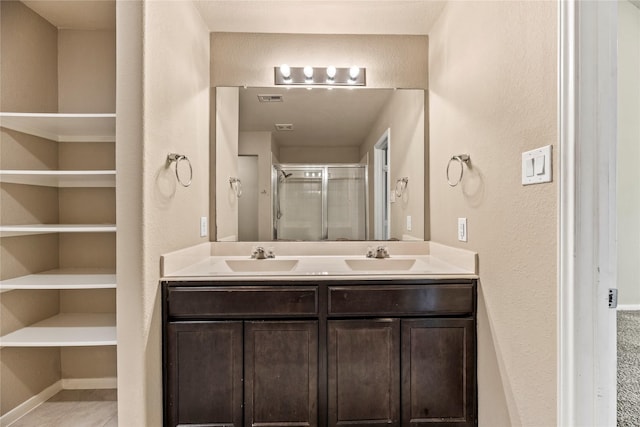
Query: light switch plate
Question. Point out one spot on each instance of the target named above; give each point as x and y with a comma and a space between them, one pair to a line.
462, 229
536, 166
204, 229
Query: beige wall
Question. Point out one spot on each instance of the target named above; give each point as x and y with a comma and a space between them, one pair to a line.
239, 59
86, 71
404, 116
628, 153
28, 83
227, 107
492, 90
162, 106
259, 144
319, 155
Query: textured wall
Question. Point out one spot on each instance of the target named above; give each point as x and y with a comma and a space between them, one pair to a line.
226, 118
628, 153
162, 107
86, 71
239, 59
492, 90
259, 144
404, 115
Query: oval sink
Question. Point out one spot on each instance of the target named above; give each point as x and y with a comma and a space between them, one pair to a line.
373, 264
260, 265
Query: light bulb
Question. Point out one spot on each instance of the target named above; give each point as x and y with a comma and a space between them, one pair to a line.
354, 72
308, 72
285, 70
331, 72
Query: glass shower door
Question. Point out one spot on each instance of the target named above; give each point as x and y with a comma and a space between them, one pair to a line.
346, 203
299, 204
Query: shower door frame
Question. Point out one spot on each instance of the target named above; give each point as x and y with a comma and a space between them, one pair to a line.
277, 167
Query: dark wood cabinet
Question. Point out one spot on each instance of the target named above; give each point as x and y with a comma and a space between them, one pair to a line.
281, 373
438, 372
204, 373
328, 353
364, 372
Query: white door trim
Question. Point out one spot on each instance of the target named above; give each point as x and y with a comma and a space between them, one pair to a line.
587, 221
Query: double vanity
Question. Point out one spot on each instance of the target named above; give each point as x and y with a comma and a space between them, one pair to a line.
319, 335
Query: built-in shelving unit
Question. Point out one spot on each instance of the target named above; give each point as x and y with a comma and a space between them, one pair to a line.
23, 230
58, 190
66, 330
64, 278
61, 179
61, 127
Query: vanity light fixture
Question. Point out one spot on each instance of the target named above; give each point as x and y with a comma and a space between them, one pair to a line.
285, 72
354, 72
308, 74
331, 74
320, 76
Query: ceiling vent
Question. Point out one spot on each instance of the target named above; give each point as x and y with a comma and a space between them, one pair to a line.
284, 127
270, 98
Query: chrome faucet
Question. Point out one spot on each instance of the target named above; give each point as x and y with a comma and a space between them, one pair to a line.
379, 252
260, 253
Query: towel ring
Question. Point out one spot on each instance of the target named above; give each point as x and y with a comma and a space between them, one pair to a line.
236, 186
401, 186
174, 157
462, 159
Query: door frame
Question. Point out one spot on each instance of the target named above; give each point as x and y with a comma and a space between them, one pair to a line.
587, 113
381, 204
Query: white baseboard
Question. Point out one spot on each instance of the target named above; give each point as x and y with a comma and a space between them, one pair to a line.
628, 307
30, 404
64, 384
89, 383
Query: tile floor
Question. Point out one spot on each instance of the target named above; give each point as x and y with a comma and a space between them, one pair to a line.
75, 408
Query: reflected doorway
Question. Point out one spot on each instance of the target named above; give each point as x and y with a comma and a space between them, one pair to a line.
381, 201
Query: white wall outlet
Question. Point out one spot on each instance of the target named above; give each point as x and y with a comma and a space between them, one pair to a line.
408, 222
462, 229
204, 226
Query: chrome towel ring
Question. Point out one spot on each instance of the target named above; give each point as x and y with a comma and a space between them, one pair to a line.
401, 186
177, 158
462, 159
236, 186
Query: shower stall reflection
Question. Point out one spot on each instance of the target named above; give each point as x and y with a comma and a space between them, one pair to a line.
319, 202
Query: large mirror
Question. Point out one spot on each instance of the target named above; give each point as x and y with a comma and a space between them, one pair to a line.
319, 164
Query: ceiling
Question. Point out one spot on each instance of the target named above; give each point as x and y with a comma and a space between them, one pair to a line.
320, 117
266, 16
76, 15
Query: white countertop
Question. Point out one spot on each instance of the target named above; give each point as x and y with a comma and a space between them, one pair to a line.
314, 260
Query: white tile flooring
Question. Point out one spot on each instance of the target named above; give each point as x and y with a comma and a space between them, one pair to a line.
75, 408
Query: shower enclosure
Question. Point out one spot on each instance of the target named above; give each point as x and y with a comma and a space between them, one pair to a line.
319, 202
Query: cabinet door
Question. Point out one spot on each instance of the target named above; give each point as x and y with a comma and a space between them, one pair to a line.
281, 373
438, 371
364, 372
204, 374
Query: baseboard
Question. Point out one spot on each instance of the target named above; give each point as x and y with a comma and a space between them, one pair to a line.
89, 383
628, 307
30, 404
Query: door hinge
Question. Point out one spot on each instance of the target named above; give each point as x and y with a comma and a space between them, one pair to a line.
613, 298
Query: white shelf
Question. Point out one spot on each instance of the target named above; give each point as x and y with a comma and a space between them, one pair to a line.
63, 127
67, 278
66, 330
22, 230
88, 178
